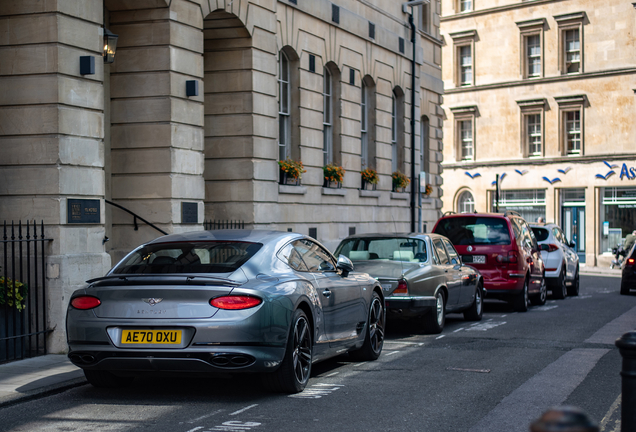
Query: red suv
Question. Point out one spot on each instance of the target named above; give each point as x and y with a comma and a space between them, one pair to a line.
504, 250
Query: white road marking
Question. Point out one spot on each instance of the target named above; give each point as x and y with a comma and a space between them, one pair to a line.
243, 409
614, 329
548, 388
235, 426
196, 420
196, 429
581, 297
486, 326
440, 336
403, 343
458, 330
503, 316
391, 353
317, 391
543, 308
332, 374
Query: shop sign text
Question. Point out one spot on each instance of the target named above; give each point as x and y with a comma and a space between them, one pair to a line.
630, 173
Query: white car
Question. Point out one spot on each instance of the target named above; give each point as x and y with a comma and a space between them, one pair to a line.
560, 259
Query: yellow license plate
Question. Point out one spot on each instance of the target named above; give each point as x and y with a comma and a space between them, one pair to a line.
163, 337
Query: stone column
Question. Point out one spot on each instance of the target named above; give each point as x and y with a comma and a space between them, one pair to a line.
156, 128
51, 137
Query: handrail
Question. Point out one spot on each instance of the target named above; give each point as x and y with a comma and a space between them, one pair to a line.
136, 217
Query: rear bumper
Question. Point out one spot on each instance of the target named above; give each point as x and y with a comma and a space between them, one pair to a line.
407, 306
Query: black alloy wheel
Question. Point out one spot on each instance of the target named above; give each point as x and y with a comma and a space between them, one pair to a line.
573, 290
539, 299
374, 337
560, 290
293, 373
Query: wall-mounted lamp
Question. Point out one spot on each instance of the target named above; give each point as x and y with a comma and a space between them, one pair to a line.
110, 46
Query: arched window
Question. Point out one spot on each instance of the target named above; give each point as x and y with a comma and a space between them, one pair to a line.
331, 114
424, 148
466, 203
397, 130
284, 111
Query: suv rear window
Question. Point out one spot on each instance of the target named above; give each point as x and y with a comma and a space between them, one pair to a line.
541, 233
474, 230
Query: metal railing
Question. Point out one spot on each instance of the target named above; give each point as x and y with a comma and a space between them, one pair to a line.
135, 217
23, 312
223, 224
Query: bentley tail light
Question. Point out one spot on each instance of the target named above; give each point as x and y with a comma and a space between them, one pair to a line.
402, 288
85, 302
235, 302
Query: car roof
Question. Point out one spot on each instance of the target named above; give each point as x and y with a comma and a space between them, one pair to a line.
494, 215
255, 236
392, 235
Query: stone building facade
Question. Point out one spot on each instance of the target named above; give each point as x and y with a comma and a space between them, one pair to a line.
541, 93
190, 121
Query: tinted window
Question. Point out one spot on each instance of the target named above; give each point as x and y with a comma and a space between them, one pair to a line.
315, 257
541, 233
441, 251
474, 230
189, 257
291, 256
452, 253
398, 249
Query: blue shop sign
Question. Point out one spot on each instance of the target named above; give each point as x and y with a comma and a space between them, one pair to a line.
630, 173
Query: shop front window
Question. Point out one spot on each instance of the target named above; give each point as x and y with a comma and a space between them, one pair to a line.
530, 204
618, 216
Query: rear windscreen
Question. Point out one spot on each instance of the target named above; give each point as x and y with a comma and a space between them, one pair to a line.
541, 233
474, 230
188, 257
396, 249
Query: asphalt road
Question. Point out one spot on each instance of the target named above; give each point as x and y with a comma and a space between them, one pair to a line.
497, 375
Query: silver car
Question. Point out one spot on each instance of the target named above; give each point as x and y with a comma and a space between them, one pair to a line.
560, 259
422, 276
225, 301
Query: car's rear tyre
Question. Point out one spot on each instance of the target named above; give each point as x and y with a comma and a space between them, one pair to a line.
374, 338
539, 299
293, 373
476, 310
573, 290
106, 379
560, 290
434, 320
520, 301
624, 288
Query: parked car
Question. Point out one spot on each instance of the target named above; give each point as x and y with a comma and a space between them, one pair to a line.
421, 275
628, 272
560, 259
504, 250
228, 301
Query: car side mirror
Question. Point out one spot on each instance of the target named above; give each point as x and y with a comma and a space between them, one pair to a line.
344, 265
544, 247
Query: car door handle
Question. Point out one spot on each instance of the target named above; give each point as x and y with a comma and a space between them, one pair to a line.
326, 293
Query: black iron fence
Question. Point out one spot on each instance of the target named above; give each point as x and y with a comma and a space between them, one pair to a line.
223, 224
23, 319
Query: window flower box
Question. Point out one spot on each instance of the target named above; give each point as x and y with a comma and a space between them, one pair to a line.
333, 176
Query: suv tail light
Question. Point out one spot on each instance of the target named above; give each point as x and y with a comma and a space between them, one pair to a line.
552, 247
510, 258
402, 288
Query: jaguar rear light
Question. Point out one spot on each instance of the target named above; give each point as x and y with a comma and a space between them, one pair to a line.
402, 288
235, 302
85, 302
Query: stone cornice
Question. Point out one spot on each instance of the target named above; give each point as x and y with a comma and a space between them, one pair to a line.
524, 25
535, 81
569, 17
490, 11
532, 103
466, 34
538, 161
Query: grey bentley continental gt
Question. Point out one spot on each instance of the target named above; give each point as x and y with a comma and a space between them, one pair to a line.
422, 276
229, 301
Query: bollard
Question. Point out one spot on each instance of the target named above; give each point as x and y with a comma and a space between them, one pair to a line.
564, 419
627, 346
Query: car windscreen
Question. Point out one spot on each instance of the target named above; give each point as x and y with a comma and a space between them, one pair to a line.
541, 233
188, 257
474, 230
396, 249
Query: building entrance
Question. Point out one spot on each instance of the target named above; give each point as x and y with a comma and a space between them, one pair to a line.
574, 228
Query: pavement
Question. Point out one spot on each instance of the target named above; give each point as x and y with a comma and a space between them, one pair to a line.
53, 373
